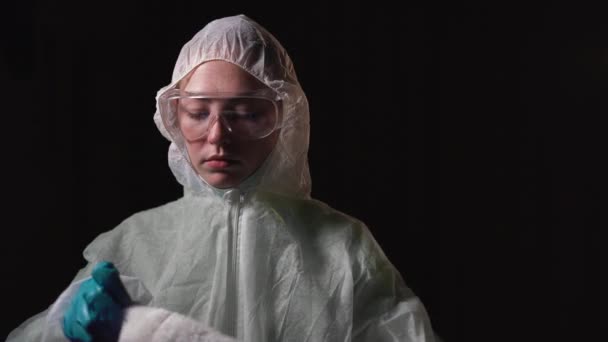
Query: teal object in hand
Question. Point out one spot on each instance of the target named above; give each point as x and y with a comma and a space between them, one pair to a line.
96, 311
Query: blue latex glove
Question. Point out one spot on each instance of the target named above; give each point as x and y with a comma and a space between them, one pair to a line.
96, 311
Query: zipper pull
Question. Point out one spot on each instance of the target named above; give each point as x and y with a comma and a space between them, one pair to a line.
233, 196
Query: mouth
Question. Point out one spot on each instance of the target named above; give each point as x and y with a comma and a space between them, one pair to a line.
219, 162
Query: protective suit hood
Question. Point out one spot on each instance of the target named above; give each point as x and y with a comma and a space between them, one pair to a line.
269, 265
243, 42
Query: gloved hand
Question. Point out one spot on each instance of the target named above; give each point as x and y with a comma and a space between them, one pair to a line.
96, 311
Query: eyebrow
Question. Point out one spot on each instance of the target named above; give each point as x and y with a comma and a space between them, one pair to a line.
224, 101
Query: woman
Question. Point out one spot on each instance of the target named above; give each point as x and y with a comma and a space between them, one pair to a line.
246, 251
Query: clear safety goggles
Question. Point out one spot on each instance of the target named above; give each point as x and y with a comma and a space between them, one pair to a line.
246, 116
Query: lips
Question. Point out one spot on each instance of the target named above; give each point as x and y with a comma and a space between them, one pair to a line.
218, 162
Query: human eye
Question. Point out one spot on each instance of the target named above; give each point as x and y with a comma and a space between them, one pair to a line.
249, 116
194, 109
195, 112
198, 115
241, 115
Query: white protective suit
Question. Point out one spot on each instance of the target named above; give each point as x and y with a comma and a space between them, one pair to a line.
262, 262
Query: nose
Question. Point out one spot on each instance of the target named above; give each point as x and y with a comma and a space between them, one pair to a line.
218, 132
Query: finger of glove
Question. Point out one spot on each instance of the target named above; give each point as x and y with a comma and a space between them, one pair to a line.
78, 316
107, 325
75, 332
91, 303
108, 277
93, 315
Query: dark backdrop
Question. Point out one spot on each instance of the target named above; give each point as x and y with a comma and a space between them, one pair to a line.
469, 138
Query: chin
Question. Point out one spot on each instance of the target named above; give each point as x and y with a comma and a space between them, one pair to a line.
221, 181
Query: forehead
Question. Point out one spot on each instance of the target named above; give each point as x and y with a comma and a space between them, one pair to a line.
221, 76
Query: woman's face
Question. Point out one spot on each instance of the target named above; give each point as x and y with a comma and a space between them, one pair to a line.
224, 161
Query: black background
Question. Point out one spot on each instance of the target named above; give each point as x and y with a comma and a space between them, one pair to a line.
469, 138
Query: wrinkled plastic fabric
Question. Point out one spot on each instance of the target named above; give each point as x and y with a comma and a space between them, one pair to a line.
47, 326
148, 324
262, 262
141, 323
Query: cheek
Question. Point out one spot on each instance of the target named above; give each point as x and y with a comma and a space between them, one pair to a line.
194, 151
259, 151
